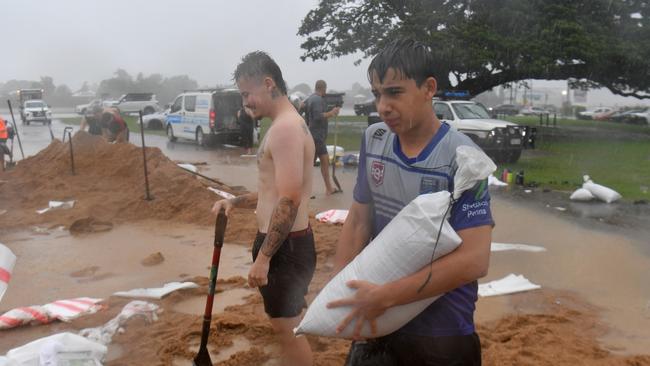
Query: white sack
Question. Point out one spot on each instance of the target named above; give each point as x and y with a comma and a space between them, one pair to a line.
4, 361
64, 310
340, 151
403, 247
189, 167
494, 181
221, 193
601, 192
332, 216
32, 353
500, 247
7, 262
56, 205
156, 292
104, 334
510, 284
581, 194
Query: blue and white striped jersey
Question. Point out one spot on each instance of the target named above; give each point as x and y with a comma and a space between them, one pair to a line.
389, 180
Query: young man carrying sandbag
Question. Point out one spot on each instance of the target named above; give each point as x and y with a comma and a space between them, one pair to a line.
410, 154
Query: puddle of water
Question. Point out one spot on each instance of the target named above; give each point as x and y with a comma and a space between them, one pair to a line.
45, 264
196, 305
239, 344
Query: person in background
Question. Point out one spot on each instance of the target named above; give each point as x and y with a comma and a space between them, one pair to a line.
246, 122
92, 121
114, 128
316, 118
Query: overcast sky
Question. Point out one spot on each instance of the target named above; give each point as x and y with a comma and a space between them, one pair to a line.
87, 40
84, 40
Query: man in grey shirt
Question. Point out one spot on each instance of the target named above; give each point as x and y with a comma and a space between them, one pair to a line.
316, 118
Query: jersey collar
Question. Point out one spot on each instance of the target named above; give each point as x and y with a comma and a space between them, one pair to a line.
397, 147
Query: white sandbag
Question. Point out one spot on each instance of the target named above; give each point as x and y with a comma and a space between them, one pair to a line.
510, 284
340, 151
156, 292
56, 205
494, 181
403, 247
601, 192
189, 167
64, 310
70, 309
58, 347
104, 334
221, 193
581, 194
4, 361
24, 315
501, 247
332, 216
7, 262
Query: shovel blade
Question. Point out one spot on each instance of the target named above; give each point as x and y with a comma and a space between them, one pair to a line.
202, 358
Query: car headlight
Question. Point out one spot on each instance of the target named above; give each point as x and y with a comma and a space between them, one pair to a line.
481, 134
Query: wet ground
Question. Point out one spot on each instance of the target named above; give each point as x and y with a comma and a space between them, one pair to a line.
600, 252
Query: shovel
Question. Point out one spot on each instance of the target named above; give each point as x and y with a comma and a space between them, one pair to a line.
203, 356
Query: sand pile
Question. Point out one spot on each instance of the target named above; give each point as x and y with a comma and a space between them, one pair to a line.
108, 186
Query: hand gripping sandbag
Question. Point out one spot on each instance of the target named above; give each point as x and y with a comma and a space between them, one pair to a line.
403, 247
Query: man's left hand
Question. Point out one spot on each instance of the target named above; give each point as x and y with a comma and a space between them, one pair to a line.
368, 303
258, 276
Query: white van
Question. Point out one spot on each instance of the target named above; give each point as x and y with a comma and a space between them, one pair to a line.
205, 116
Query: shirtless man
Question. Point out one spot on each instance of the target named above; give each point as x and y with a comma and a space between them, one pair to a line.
283, 253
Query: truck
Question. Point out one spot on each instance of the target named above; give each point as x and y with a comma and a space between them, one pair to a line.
32, 106
502, 141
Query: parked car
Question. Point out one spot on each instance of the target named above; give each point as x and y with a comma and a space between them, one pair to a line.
206, 116
365, 108
137, 102
533, 111
36, 111
82, 108
155, 121
641, 117
589, 114
603, 116
505, 109
501, 140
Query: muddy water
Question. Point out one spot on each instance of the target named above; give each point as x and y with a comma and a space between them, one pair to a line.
196, 305
606, 269
58, 266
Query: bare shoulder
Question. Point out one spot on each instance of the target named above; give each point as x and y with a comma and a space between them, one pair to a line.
287, 126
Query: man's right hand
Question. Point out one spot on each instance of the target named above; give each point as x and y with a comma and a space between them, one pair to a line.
224, 204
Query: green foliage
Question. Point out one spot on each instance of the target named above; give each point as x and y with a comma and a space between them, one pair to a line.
486, 43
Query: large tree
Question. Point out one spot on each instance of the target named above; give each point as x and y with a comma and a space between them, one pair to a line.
484, 43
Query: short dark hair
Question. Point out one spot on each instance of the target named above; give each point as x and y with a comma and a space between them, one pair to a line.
320, 85
410, 58
259, 64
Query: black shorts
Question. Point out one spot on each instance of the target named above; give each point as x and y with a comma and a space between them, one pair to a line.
407, 349
321, 147
290, 272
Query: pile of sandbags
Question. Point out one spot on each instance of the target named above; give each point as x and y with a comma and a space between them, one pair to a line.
591, 190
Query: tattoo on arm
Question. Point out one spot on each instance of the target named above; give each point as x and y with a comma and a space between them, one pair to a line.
282, 220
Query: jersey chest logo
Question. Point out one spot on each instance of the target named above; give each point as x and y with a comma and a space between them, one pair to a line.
377, 172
